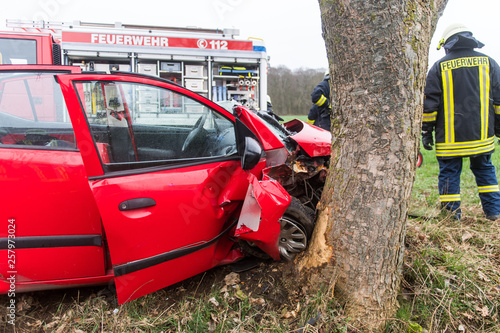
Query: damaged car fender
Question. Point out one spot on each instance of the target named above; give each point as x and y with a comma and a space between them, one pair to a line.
265, 203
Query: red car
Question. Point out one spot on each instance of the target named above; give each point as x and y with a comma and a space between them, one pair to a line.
135, 179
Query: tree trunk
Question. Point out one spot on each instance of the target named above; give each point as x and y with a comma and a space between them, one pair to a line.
378, 54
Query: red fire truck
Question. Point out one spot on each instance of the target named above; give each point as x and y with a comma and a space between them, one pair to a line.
211, 62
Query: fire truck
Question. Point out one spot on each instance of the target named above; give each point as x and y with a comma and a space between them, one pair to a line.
210, 62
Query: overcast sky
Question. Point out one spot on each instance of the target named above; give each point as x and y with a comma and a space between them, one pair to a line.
291, 29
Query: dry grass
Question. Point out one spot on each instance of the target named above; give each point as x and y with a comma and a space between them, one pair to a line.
452, 268
451, 284
452, 275
217, 301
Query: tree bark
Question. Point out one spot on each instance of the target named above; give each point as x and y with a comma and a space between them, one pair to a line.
378, 55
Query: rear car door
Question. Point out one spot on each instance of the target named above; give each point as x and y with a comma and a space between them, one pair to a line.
48, 211
164, 170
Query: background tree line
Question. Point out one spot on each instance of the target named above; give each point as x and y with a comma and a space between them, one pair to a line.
290, 90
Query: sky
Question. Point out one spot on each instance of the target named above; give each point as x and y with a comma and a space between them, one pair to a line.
291, 29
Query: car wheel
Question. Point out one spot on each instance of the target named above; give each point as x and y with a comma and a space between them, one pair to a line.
297, 225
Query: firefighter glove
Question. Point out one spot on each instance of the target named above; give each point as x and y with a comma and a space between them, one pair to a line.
427, 140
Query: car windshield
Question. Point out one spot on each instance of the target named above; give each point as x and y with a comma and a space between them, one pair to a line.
267, 119
274, 126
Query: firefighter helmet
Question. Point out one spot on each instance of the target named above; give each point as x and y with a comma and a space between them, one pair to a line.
451, 30
327, 76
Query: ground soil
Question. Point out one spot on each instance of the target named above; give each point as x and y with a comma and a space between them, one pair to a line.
34, 308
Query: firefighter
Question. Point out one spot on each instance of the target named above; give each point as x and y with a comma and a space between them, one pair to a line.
319, 114
269, 104
462, 105
270, 110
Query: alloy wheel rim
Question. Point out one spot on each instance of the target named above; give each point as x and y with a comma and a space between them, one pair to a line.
292, 239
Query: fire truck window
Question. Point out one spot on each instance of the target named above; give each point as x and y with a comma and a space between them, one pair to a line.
17, 51
33, 112
135, 123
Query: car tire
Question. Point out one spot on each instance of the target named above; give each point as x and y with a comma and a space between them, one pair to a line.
297, 225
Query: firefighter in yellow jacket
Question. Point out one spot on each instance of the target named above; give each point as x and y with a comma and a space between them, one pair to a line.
462, 106
319, 115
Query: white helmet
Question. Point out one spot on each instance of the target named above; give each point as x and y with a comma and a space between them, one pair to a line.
450, 31
327, 76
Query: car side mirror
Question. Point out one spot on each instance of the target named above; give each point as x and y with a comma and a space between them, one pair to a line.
251, 154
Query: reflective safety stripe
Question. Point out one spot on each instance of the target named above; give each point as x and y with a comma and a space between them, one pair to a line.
465, 148
428, 117
449, 108
309, 121
497, 109
464, 153
321, 101
449, 197
490, 188
466, 144
484, 144
484, 90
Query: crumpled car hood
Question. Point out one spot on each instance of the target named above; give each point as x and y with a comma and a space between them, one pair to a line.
313, 140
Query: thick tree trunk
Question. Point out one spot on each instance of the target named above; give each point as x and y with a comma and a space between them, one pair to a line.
378, 51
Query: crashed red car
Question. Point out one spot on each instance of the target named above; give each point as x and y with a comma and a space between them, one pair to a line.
133, 179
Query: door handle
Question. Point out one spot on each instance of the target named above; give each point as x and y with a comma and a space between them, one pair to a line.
136, 204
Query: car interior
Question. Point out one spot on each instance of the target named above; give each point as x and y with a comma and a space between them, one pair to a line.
125, 133
128, 130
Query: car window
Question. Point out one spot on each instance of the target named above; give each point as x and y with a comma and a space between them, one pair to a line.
135, 123
33, 112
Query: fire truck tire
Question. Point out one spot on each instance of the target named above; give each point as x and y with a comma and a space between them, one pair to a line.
420, 159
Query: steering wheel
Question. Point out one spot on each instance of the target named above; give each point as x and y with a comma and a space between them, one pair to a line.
194, 133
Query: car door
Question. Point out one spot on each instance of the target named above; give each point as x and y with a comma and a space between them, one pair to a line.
55, 233
165, 172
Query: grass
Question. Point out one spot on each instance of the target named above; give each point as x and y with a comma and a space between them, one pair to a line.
452, 269
451, 283
288, 118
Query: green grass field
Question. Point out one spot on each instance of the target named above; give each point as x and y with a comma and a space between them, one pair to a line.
288, 118
452, 268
